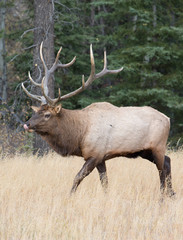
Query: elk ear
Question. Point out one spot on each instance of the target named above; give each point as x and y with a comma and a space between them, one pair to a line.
58, 108
35, 109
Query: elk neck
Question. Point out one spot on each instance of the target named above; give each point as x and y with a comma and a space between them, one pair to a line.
67, 133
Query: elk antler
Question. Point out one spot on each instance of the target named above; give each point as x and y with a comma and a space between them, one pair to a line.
44, 84
92, 76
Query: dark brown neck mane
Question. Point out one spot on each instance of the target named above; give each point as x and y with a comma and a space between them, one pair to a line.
66, 135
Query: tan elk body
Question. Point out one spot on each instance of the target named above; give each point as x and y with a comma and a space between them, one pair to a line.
120, 131
101, 131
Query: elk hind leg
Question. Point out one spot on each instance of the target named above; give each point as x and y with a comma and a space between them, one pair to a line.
101, 167
157, 158
164, 168
167, 168
87, 168
159, 161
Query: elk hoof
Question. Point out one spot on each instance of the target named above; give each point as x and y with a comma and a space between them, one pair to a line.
171, 194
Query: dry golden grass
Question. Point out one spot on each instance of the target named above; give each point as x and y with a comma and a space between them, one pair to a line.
35, 201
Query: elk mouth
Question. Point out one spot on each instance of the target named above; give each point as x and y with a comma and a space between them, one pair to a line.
28, 129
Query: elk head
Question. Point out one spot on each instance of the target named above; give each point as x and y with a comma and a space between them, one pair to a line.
48, 104
44, 119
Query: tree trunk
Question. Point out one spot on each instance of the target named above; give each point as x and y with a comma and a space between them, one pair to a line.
3, 79
172, 21
154, 15
101, 22
134, 20
44, 31
92, 18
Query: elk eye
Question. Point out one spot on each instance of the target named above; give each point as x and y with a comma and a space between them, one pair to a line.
47, 115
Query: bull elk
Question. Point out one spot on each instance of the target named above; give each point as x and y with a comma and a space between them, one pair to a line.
100, 131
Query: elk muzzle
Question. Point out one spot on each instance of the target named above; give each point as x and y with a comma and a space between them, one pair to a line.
26, 127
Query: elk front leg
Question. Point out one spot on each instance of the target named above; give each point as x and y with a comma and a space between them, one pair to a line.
101, 167
87, 168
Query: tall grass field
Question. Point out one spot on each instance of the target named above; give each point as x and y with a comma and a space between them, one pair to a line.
35, 201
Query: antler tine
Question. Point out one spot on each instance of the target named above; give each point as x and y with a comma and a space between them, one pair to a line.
67, 64
92, 76
35, 97
56, 64
32, 81
90, 79
105, 70
42, 58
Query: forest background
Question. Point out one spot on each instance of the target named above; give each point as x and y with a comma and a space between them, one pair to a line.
145, 37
